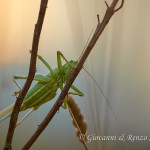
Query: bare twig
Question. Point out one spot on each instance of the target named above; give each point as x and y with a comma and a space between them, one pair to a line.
32, 70
122, 2
107, 4
74, 73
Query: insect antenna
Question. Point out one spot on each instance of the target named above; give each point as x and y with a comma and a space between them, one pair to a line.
115, 116
86, 45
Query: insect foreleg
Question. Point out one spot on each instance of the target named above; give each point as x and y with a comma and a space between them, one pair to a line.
59, 55
78, 92
46, 64
65, 100
59, 63
65, 103
73, 93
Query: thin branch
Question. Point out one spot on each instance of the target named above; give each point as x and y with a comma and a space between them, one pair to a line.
107, 4
120, 6
74, 73
32, 70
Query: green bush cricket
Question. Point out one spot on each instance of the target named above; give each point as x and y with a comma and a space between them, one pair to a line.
46, 87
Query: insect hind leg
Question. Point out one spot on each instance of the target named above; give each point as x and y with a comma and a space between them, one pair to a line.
22, 119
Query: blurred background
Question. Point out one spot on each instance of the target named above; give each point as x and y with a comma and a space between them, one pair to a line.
119, 62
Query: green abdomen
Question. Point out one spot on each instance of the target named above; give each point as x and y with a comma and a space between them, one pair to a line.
39, 94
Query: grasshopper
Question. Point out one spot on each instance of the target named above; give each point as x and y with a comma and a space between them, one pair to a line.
46, 87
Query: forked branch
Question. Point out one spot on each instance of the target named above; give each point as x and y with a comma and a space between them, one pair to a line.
100, 27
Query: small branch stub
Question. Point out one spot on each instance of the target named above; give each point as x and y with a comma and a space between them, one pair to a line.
122, 2
98, 19
107, 5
